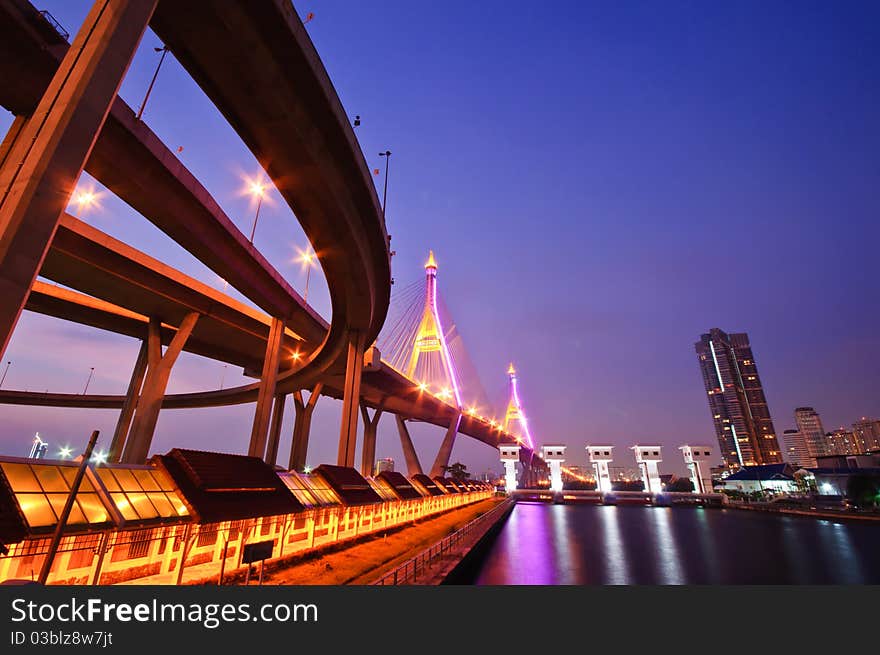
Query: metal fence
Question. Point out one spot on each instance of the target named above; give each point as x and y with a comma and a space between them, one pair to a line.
422, 563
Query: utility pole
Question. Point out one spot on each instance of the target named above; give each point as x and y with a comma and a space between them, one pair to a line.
65, 513
164, 51
91, 372
387, 155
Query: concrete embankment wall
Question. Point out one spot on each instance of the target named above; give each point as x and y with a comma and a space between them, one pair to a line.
468, 565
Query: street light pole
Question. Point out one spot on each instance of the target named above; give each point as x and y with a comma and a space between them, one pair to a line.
387, 155
307, 257
164, 51
5, 371
91, 372
65, 513
257, 190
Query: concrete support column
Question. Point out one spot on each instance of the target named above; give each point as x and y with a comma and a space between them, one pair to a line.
263, 412
409, 452
275, 429
302, 424
131, 401
445, 452
368, 451
159, 366
354, 364
11, 137
46, 159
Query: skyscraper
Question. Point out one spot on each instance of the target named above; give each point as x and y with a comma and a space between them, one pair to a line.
38, 448
796, 452
810, 426
384, 464
867, 433
842, 442
736, 400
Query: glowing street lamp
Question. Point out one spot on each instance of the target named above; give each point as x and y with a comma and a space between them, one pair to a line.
258, 191
85, 199
423, 386
164, 51
100, 457
307, 258
65, 452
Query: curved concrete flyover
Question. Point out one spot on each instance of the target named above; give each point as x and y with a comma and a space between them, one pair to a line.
279, 99
132, 286
308, 149
127, 153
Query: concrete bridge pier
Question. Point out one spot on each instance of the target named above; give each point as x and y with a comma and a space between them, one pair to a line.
266, 394
45, 160
123, 423
159, 366
275, 428
445, 452
413, 467
351, 394
302, 425
368, 451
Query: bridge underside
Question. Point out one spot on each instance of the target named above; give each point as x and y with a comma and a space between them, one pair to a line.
288, 114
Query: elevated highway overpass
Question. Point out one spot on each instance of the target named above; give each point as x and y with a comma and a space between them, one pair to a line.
278, 98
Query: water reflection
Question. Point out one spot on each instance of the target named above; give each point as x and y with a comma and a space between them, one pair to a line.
666, 554
616, 564
838, 546
576, 544
708, 548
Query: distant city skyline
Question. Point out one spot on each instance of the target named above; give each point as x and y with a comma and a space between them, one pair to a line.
597, 199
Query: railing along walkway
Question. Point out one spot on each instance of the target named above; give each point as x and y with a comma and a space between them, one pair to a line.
422, 563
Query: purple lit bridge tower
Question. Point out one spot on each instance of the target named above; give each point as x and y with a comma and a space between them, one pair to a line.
421, 341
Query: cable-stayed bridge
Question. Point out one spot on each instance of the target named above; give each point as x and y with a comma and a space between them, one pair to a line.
69, 119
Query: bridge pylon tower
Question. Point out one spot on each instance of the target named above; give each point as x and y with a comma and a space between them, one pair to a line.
430, 337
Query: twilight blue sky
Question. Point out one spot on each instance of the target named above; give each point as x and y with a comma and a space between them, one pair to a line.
601, 183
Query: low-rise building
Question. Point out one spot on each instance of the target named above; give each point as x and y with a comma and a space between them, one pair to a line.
834, 472
775, 478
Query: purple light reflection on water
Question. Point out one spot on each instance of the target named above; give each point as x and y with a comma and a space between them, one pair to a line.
577, 544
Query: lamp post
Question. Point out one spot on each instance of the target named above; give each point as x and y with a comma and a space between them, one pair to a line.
307, 257
387, 155
164, 51
84, 200
5, 371
91, 372
258, 190
62, 519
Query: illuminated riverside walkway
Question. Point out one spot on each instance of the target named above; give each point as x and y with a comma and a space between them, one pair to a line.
132, 522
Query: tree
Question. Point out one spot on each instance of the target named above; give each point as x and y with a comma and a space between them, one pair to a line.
680, 484
457, 472
863, 489
628, 485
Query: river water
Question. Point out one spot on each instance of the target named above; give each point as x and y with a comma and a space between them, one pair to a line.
597, 544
